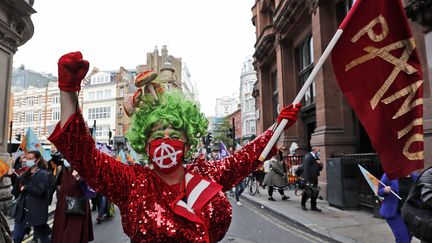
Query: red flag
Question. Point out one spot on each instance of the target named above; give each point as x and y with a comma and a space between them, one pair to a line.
379, 72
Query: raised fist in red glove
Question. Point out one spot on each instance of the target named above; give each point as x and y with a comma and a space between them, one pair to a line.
289, 112
72, 69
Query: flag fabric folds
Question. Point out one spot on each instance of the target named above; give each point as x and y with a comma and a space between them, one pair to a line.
371, 180
122, 157
4, 168
379, 72
223, 152
31, 143
132, 154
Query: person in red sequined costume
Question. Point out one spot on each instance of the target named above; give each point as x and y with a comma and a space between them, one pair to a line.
171, 202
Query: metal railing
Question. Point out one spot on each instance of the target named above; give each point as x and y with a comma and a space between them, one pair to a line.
371, 163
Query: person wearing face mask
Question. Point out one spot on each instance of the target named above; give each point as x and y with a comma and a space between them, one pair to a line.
311, 171
32, 209
170, 202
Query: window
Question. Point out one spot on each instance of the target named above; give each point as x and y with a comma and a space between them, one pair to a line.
39, 116
108, 94
18, 117
99, 113
121, 92
99, 94
29, 101
56, 99
40, 100
29, 116
120, 110
305, 60
275, 98
100, 79
91, 95
55, 114
120, 129
102, 130
250, 126
253, 127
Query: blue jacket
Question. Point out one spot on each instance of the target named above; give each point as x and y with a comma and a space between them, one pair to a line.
389, 208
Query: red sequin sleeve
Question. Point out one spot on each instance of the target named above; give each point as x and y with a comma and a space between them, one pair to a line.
229, 171
102, 172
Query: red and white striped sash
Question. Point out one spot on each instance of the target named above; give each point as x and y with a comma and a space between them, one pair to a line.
198, 192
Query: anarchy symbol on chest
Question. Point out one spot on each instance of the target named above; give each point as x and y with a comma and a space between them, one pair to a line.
165, 156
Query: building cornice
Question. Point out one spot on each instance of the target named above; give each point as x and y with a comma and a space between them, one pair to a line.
16, 28
285, 14
264, 43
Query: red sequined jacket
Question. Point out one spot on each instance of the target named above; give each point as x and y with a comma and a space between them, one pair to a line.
146, 202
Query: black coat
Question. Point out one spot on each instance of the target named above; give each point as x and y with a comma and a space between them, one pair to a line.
311, 169
33, 204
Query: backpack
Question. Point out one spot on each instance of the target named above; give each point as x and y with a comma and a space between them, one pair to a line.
299, 170
416, 214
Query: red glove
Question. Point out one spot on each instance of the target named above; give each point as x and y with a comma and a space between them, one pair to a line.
71, 71
290, 112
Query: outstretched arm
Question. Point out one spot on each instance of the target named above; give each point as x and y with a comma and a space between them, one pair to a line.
68, 106
232, 169
72, 69
73, 140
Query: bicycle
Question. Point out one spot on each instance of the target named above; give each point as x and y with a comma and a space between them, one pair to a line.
252, 184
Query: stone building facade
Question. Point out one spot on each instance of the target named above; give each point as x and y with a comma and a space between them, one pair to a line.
290, 37
247, 102
36, 108
16, 28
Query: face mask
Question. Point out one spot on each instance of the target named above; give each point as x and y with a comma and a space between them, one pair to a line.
166, 154
29, 163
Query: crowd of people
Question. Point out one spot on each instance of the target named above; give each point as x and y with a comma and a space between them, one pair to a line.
178, 197
36, 184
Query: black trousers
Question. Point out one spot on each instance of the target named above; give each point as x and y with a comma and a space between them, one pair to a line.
313, 198
270, 191
311, 193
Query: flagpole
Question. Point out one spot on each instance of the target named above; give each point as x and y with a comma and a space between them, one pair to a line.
394, 193
302, 92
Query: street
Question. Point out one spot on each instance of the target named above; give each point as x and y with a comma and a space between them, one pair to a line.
249, 224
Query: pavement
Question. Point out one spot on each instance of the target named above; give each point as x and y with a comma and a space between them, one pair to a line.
341, 225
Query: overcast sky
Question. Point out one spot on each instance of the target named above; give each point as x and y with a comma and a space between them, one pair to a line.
212, 37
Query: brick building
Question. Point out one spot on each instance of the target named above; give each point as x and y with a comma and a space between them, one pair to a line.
291, 36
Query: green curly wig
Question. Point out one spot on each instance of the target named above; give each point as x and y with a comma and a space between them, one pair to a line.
174, 109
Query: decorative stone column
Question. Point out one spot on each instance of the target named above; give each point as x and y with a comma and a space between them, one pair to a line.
334, 132
16, 28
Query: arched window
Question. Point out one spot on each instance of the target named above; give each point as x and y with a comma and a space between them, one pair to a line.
306, 63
